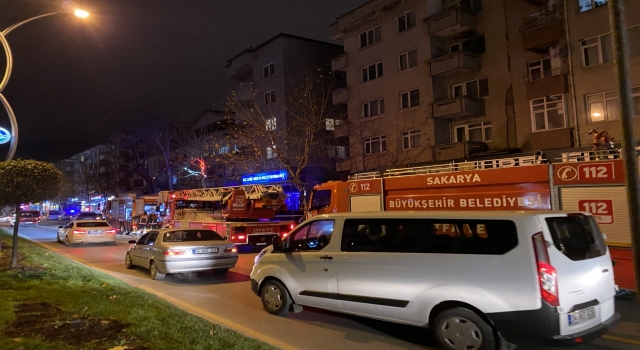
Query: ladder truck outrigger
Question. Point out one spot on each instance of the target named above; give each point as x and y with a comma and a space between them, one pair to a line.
585, 180
241, 214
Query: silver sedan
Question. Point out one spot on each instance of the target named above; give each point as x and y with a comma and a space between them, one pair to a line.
174, 250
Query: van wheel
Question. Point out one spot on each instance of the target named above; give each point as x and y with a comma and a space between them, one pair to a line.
153, 271
275, 298
463, 329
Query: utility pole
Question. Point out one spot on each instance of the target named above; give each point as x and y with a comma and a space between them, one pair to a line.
623, 74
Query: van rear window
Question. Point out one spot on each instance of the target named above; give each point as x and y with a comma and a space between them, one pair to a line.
577, 236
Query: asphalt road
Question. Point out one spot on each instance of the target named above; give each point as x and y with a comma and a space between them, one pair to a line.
230, 300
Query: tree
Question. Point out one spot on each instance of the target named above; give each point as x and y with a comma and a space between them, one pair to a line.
291, 132
25, 181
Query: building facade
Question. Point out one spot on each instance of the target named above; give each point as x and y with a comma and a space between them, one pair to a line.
432, 80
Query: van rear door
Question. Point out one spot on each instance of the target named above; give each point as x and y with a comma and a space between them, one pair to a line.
585, 283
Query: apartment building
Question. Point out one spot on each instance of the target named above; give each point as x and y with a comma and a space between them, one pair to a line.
266, 74
432, 80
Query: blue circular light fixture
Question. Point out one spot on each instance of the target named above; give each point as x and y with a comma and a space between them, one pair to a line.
5, 136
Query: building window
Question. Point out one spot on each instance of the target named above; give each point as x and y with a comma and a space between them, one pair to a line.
271, 124
474, 45
478, 132
370, 36
377, 144
271, 152
330, 124
408, 60
269, 69
373, 108
586, 5
599, 49
406, 21
605, 106
372, 72
337, 152
409, 99
269, 97
548, 113
472, 88
539, 69
411, 139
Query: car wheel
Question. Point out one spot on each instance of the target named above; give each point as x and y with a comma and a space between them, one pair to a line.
66, 241
58, 238
460, 328
153, 271
128, 263
275, 298
220, 272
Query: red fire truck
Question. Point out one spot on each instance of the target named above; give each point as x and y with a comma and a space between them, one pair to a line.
242, 214
122, 212
585, 180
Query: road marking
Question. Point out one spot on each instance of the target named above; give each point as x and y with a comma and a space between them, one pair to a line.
185, 306
622, 340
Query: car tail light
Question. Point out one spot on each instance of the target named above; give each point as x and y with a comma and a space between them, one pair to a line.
79, 232
172, 252
546, 273
110, 231
230, 250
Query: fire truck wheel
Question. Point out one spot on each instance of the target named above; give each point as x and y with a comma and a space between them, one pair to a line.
461, 326
153, 271
128, 263
220, 272
275, 298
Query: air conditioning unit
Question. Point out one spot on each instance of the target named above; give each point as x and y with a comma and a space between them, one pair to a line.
458, 150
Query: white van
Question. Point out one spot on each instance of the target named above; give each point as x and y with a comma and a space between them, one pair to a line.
480, 280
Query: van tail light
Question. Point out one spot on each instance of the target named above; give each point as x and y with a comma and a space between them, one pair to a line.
230, 249
79, 232
241, 237
110, 231
546, 273
173, 252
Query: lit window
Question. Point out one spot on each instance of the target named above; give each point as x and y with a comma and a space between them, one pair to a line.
271, 152
372, 72
411, 139
478, 132
586, 5
406, 21
409, 99
271, 124
373, 108
605, 106
547, 113
377, 144
370, 36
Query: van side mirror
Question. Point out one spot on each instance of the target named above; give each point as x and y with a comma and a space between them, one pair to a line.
277, 244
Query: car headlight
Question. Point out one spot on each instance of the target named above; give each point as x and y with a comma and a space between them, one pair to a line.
256, 260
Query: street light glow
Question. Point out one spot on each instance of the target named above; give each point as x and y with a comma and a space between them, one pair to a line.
81, 13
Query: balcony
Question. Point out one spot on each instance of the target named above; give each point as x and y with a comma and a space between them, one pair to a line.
552, 139
458, 107
340, 96
339, 63
341, 130
549, 82
455, 63
541, 31
458, 150
452, 22
343, 164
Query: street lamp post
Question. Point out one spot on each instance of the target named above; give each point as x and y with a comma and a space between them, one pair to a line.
7, 74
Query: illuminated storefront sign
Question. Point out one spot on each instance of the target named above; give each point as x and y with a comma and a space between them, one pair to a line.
266, 177
5, 136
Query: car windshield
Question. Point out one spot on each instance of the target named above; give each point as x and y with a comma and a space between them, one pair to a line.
92, 224
577, 236
191, 236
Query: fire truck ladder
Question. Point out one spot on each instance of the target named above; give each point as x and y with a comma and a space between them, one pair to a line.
222, 194
535, 159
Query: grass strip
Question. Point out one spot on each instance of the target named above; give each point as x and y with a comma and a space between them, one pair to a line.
52, 302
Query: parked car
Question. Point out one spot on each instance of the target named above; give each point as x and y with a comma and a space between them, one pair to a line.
64, 216
476, 278
169, 251
53, 215
86, 231
30, 217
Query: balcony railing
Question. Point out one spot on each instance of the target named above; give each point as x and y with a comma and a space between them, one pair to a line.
545, 74
541, 19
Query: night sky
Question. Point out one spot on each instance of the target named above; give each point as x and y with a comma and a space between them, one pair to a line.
75, 81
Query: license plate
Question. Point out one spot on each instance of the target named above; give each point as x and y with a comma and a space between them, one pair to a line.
95, 232
581, 316
205, 251
264, 243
